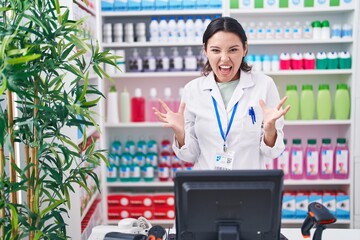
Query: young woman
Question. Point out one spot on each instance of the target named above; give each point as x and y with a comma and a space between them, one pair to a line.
231, 117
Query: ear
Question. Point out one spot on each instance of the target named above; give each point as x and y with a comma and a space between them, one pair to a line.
245, 49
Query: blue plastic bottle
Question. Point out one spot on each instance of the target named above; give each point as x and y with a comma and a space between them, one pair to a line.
124, 172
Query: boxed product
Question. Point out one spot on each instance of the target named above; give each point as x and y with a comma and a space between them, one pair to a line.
288, 205
342, 205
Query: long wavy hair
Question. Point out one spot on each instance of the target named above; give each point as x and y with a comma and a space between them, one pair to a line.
226, 24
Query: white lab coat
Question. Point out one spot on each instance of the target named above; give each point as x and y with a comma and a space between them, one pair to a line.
202, 135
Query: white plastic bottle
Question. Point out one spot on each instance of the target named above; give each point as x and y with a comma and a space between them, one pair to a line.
288, 30
252, 31
190, 29
257, 63
112, 106
125, 106
149, 63
135, 62
181, 32
269, 31
168, 99
162, 62
279, 31
154, 30
163, 30
190, 60
266, 63
199, 28
307, 30
297, 30
260, 31
150, 103
275, 63
172, 30
176, 61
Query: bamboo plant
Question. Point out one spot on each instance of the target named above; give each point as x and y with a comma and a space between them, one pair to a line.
44, 88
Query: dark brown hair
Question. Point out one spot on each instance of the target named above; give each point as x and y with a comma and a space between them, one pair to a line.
226, 24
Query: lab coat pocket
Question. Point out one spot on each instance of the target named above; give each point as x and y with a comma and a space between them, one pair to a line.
252, 120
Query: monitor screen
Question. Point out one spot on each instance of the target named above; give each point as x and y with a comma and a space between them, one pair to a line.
231, 205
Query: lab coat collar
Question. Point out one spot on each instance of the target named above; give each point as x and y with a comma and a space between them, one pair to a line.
246, 81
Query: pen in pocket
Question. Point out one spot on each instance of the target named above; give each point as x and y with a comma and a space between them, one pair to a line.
252, 115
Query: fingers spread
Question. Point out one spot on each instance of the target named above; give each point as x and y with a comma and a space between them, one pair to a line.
163, 104
282, 101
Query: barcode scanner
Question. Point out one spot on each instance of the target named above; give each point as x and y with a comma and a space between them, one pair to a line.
318, 216
156, 233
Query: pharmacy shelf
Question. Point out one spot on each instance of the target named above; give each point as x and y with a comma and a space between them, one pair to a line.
195, 74
161, 13
316, 122
287, 182
287, 123
283, 221
149, 44
152, 221
141, 184
291, 11
299, 41
309, 72
251, 43
317, 182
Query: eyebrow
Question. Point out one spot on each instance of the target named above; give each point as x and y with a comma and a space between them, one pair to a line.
229, 47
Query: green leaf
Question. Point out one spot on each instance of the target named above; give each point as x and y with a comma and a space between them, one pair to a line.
63, 139
14, 220
3, 86
91, 103
78, 42
52, 207
77, 54
23, 59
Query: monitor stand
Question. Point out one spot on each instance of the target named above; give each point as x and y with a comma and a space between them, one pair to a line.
228, 232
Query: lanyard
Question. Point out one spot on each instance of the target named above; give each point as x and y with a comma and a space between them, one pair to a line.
224, 136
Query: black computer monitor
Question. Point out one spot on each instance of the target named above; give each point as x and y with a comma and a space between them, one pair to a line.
228, 205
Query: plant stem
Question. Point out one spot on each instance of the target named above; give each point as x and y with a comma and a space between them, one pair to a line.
13, 177
34, 162
2, 165
27, 160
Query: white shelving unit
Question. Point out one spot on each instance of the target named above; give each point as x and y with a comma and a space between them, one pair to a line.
82, 203
293, 129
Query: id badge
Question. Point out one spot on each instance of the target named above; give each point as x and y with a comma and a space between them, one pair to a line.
224, 160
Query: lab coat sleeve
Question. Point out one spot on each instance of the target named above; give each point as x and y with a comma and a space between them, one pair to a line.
272, 100
189, 152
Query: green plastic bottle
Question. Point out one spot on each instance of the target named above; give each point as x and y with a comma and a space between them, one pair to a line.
342, 102
307, 103
323, 102
293, 101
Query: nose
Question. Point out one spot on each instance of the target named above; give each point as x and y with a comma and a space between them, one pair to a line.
224, 56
